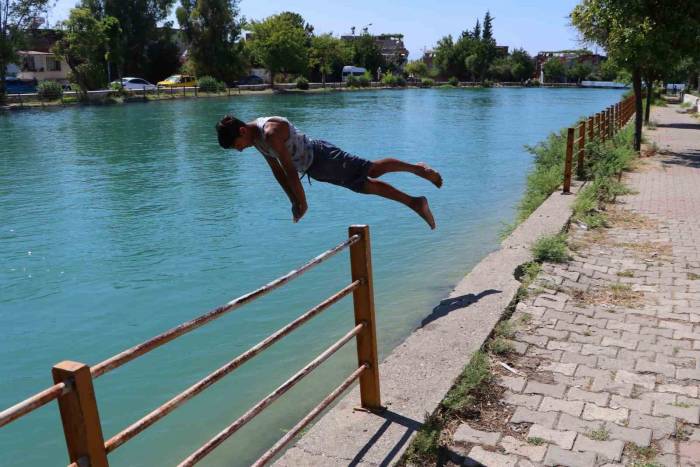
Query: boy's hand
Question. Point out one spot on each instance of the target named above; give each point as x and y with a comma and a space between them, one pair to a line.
298, 211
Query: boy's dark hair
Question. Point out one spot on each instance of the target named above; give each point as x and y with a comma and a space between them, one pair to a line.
228, 129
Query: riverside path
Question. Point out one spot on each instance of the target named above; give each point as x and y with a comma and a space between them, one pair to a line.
608, 353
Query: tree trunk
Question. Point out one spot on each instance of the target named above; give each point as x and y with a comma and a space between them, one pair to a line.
650, 93
638, 117
3, 85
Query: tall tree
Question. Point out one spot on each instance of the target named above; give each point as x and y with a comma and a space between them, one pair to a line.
476, 33
280, 43
640, 33
138, 20
554, 70
212, 29
83, 46
366, 53
15, 17
522, 66
486, 49
328, 54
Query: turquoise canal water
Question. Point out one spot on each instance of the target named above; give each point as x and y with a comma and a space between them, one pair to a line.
119, 222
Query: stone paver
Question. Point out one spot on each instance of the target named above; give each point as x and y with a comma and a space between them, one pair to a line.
466, 434
564, 439
615, 370
558, 456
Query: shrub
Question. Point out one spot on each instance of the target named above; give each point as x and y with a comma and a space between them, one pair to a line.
352, 82
476, 373
427, 82
302, 83
393, 80
49, 90
210, 84
551, 248
453, 81
365, 80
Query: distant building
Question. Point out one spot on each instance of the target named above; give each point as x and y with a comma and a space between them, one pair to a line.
568, 57
501, 51
428, 58
391, 47
37, 62
35, 65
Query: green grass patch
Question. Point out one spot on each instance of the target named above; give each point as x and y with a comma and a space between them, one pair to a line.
682, 404
426, 445
500, 346
625, 273
551, 248
504, 329
693, 277
600, 434
535, 441
476, 373
642, 456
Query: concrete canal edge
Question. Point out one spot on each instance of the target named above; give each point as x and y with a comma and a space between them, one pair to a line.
418, 373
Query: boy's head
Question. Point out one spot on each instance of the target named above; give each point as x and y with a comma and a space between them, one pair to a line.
233, 133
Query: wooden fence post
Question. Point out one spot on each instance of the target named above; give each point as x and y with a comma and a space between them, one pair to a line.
569, 160
79, 414
591, 123
581, 149
599, 126
363, 300
609, 125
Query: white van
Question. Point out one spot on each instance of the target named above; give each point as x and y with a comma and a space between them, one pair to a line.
349, 70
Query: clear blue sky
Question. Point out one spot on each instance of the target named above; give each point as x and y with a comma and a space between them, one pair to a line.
534, 25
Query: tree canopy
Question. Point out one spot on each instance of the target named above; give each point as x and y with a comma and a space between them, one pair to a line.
16, 16
642, 36
280, 42
212, 29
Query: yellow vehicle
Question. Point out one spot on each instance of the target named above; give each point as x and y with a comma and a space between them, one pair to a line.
178, 81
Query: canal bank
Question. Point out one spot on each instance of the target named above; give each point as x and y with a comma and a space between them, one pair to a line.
134, 207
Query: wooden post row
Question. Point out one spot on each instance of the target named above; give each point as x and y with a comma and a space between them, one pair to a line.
581, 149
363, 300
568, 161
79, 415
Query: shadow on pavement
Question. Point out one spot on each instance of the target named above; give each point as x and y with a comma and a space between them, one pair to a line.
450, 304
687, 159
390, 417
679, 126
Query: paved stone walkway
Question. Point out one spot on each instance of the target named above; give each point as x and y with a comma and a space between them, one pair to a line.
608, 345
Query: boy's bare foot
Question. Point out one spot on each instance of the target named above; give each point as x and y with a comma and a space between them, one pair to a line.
430, 174
420, 205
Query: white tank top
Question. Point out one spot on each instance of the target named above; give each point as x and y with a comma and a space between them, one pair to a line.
298, 144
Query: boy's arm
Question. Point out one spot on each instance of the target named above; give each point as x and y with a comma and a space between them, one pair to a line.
276, 133
280, 177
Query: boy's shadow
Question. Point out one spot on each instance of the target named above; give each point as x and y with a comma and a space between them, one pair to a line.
454, 303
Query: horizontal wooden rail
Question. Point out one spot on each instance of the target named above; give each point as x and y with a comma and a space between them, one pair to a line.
296, 429
138, 350
140, 425
37, 400
52, 393
210, 445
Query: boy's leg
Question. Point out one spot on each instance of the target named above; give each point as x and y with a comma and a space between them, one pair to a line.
418, 204
382, 166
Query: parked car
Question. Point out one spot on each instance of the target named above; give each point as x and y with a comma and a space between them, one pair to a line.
178, 81
248, 80
135, 84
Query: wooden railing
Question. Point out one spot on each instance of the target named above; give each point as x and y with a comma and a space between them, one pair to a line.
599, 127
73, 381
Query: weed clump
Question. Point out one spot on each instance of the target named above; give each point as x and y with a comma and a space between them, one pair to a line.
551, 248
